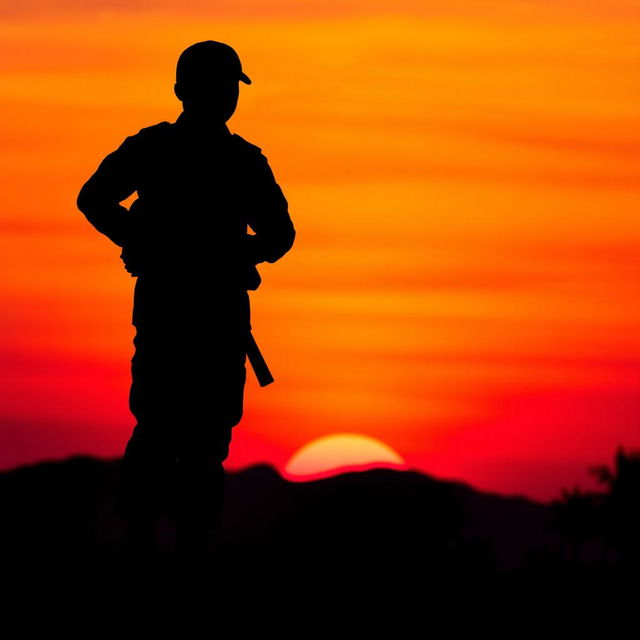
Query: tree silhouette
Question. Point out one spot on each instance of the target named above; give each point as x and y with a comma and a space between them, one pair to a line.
621, 508
611, 517
576, 518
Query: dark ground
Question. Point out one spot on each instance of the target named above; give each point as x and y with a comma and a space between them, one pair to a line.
374, 545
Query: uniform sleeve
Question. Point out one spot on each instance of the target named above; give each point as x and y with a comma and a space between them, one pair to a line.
268, 216
115, 179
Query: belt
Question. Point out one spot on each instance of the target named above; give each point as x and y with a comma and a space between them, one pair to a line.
260, 367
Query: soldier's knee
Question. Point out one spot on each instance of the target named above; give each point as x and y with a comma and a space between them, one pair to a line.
234, 412
234, 418
222, 450
220, 445
230, 414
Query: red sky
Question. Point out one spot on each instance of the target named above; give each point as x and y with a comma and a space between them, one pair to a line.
463, 179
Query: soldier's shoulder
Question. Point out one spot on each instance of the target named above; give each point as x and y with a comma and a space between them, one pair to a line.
246, 145
151, 132
154, 130
147, 139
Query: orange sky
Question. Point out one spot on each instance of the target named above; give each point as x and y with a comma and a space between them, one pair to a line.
463, 179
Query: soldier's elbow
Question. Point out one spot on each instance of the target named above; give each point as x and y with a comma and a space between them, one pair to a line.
292, 237
92, 203
84, 201
284, 245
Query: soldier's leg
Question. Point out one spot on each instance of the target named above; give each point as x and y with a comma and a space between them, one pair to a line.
217, 402
149, 458
200, 489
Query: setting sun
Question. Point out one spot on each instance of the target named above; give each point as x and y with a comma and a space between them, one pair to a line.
341, 452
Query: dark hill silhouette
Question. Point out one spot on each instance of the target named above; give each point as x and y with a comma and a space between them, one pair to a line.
395, 522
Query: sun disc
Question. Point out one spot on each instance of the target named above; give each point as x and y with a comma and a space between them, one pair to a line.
341, 451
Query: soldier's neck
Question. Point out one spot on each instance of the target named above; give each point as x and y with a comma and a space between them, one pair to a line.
194, 120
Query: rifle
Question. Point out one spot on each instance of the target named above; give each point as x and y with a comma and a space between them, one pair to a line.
258, 363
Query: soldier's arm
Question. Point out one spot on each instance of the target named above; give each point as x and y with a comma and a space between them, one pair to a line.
268, 217
114, 181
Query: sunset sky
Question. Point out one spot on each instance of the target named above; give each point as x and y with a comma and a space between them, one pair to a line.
463, 179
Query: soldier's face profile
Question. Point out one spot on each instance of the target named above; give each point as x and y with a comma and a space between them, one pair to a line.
213, 99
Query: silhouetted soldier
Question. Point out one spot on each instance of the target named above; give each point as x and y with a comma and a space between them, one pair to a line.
185, 239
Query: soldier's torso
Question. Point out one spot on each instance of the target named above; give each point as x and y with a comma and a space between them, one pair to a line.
194, 188
190, 215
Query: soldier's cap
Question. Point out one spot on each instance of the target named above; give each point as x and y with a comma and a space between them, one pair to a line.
209, 60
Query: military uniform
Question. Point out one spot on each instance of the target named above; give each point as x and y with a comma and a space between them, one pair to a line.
186, 241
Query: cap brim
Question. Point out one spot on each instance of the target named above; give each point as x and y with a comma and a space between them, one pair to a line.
245, 78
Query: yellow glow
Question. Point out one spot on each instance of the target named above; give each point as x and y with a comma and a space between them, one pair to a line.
340, 450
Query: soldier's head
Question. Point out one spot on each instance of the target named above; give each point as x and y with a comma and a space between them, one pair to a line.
207, 77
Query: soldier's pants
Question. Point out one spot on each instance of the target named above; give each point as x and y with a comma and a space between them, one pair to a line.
186, 394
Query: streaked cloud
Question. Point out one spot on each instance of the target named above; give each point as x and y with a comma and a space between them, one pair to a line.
464, 181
